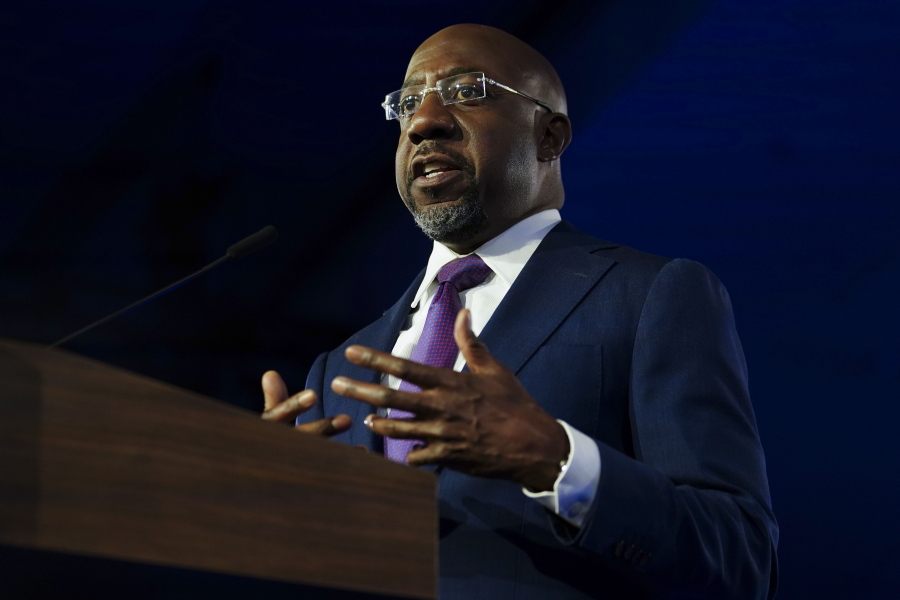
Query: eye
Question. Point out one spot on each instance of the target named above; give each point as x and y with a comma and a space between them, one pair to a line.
408, 105
461, 92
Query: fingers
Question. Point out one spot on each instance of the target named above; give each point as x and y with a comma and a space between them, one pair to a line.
274, 390
423, 376
477, 356
439, 442
410, 429
382, 397
435, 453
280, 407
326, 427
287, 410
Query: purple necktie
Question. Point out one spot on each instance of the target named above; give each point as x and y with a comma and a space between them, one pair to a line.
436, 346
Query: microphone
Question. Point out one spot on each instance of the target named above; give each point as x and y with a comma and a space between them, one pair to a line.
261, 238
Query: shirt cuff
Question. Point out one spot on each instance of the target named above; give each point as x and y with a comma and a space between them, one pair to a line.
575, 487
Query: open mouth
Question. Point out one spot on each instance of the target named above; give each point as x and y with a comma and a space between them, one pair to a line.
434, 168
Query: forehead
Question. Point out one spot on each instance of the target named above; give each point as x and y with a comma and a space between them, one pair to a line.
441, 58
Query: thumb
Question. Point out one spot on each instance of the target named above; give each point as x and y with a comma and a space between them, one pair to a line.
473, 349
274, 390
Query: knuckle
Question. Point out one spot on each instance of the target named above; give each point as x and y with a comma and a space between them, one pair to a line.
443, 430
315, 427
381, 395
433, 408
404, 370
475, 343
448, 379
375, 360
441, 450
389, 427
459, 432
399, 427
279, 412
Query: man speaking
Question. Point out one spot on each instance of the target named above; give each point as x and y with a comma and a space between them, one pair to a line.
584, 404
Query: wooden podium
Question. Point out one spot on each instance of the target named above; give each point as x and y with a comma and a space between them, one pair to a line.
115, 485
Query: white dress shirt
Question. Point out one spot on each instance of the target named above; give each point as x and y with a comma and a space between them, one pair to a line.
506, 255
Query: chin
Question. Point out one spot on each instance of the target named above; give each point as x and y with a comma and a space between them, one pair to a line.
451, 222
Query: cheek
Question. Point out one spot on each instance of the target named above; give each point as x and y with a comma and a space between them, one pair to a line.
400, 168
511, 161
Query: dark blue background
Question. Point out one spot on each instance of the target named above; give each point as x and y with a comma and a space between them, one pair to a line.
138, 140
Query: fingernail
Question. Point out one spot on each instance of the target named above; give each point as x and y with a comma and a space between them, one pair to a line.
339, 384
369, 420
353, 353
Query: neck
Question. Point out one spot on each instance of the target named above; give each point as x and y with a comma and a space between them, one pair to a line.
495, 227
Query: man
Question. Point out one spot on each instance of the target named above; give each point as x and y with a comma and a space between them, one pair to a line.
600, 441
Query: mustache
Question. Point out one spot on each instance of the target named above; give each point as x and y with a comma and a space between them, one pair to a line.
432, 147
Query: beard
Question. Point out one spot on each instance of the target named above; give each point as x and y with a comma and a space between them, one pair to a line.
454, 223
450, 223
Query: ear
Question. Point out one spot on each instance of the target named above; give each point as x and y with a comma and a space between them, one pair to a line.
556, 133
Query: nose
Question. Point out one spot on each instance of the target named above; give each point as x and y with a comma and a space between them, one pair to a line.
431, 121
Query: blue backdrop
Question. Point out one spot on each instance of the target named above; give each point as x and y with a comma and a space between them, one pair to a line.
138, 140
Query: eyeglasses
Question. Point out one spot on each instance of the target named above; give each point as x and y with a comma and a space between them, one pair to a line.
452, 90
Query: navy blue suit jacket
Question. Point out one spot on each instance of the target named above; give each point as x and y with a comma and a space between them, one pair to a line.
639, 352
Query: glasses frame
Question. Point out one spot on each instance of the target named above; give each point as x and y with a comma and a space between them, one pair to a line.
437, 88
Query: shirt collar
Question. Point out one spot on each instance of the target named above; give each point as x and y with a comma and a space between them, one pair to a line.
505, 254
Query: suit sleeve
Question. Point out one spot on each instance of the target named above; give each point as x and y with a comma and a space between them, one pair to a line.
691, 511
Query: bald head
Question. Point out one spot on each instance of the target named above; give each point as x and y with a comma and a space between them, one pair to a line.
518, 60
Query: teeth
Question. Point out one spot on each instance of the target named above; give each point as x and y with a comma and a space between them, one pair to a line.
431, 167
432, 174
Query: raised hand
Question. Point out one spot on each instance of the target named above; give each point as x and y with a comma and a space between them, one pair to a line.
279, 406
482, 422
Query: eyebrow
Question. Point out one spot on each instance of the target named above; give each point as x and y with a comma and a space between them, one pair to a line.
419, 80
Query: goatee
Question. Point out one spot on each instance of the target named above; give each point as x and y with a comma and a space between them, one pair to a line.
450, 223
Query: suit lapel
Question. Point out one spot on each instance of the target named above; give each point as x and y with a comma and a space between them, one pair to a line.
381, 335
558, 275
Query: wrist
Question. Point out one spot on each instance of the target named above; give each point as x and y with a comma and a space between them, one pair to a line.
551, 461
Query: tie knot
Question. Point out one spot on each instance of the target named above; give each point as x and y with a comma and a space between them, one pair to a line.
465, 272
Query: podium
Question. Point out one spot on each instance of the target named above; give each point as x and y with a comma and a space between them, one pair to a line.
116, 485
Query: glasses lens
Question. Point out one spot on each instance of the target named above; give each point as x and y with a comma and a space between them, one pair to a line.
402, 103
462, 88
459, 88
